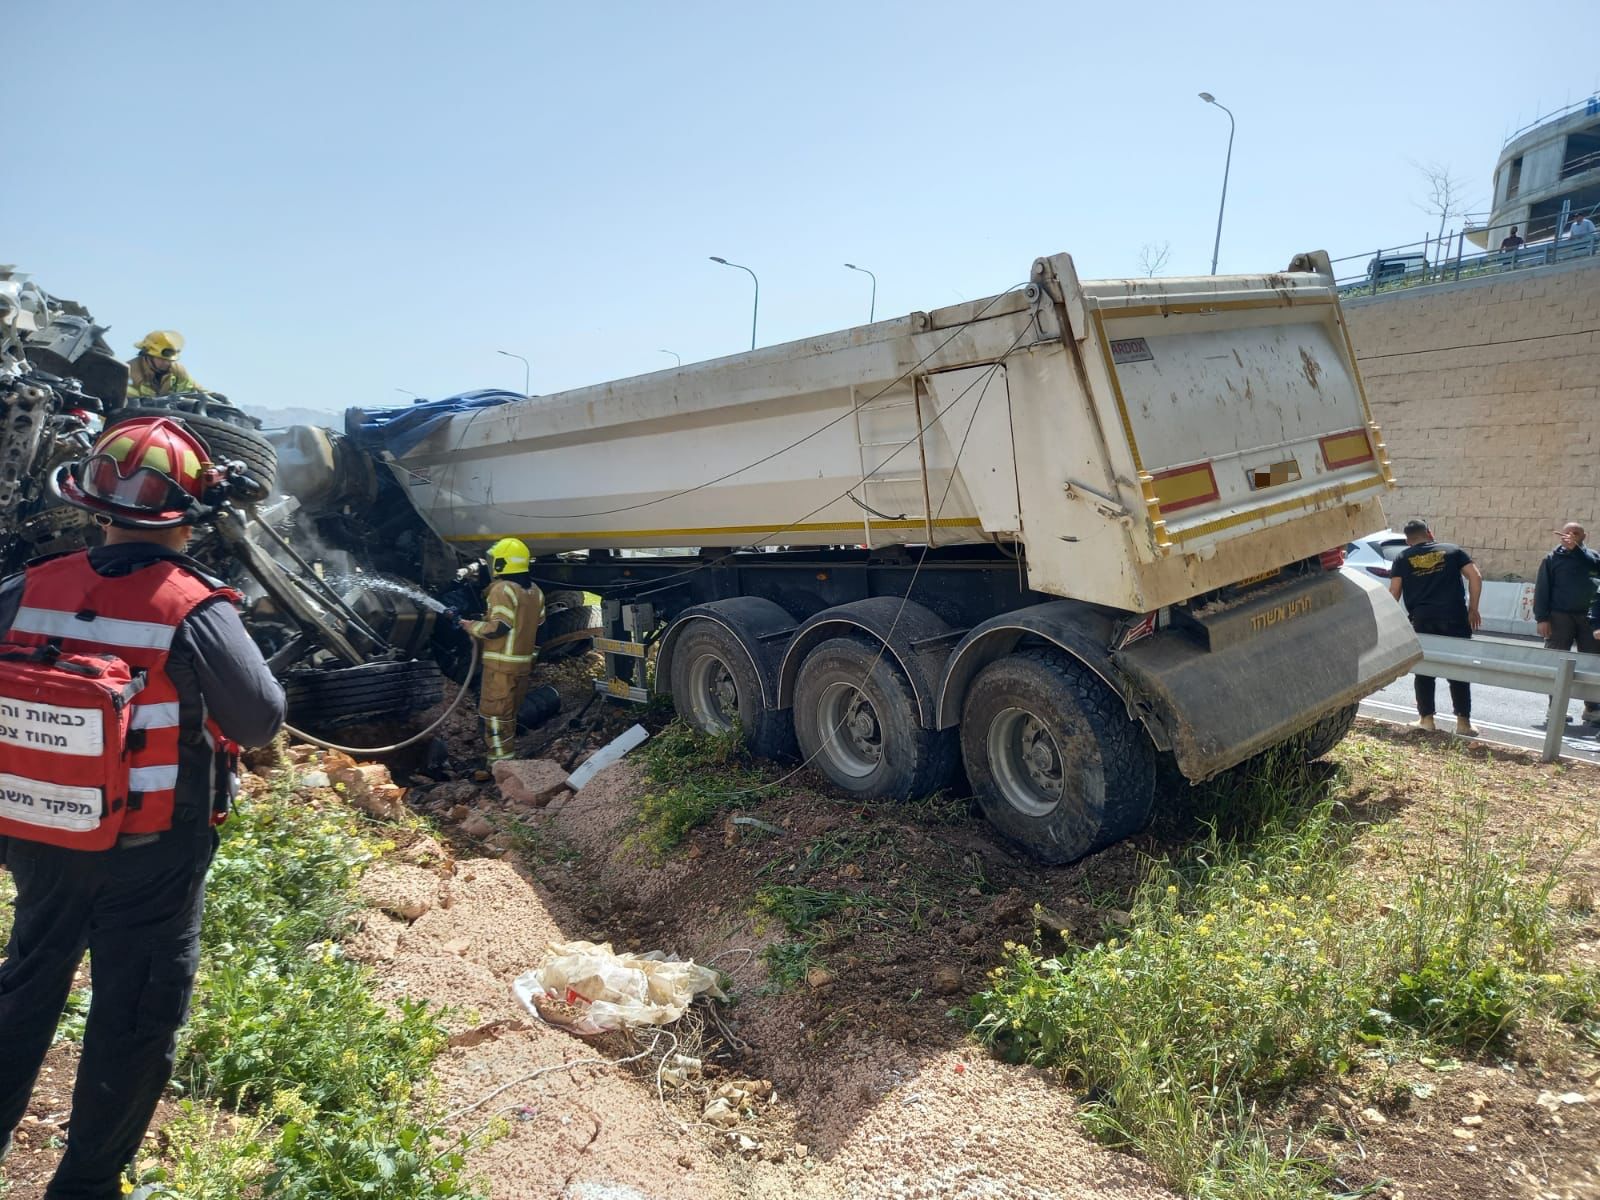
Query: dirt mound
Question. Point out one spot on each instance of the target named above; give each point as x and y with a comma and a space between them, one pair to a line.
864, 1105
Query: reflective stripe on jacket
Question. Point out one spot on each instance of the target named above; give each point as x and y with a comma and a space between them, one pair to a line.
518, 610
67, 602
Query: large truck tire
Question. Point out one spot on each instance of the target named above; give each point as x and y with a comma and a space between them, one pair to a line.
371, 691
855, 717
1327, 733
1057, 765
566, 612
226, 440
714, 688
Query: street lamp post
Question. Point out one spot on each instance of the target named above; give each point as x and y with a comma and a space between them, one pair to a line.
678, 357
1226, 167
755, 308
527, 372
872, 310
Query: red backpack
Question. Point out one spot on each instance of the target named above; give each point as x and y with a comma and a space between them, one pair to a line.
64, 724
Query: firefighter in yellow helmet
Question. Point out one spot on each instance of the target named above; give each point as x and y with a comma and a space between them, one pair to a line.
507, 633
157, 371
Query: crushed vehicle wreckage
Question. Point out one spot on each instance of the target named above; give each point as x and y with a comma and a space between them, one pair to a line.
346, 652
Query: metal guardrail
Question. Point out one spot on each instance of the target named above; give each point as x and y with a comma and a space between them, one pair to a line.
1563, 675
1589, 104
1412, 265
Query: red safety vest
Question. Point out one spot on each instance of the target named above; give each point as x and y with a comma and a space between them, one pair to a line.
67, 603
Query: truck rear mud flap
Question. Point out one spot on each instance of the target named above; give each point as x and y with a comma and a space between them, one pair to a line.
1226, 684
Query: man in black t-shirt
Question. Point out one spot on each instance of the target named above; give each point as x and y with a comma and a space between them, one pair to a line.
1428, 577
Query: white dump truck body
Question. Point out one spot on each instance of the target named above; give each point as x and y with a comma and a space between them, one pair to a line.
1142, 441
1069, 527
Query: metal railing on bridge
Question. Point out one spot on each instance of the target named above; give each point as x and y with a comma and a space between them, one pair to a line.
1444, 260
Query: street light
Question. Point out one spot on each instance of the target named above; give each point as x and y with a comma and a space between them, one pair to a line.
674, 354
872, 311
527, 372
1217, 245
754, 308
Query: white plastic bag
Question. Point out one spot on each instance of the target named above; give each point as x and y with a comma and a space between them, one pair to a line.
591, 988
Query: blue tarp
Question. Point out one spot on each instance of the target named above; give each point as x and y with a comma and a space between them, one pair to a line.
397, 430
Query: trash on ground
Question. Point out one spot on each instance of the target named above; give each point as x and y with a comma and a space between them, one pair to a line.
736, 1100
602, 758
680, 1070
591, 989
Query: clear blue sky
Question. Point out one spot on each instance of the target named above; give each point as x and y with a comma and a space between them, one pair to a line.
332, 200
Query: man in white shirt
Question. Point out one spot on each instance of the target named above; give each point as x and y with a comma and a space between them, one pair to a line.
1582, 227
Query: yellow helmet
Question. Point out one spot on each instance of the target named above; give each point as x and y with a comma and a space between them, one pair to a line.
508, 556
161, 343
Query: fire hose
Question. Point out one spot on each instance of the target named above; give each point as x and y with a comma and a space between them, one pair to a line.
576, 635
414, 738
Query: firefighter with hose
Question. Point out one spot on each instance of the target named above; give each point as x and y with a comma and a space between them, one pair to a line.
127, 685
508, 634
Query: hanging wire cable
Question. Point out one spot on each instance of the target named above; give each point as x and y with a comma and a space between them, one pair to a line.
410, 741
959, 329
883, 644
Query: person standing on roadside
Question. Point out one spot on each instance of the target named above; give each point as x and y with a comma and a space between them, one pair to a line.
120, 872
1564, 596
1428, 578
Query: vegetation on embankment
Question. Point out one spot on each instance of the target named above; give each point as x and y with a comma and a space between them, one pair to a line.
297, 1083
1289, 941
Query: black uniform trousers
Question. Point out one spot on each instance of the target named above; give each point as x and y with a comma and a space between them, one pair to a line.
1460, 691
137, 911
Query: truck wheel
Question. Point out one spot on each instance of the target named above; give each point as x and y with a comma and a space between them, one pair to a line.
1326, 733
1056, 764
566, 612
226, 440
855, 716
342, 695
713, 686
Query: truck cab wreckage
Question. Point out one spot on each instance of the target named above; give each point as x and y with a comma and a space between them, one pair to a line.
60, 385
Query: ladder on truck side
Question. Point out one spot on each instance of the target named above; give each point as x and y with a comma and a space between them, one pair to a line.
624, 657
889, 471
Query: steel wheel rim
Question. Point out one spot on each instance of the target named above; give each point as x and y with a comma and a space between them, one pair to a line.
1027, 762
713, 694
852, 734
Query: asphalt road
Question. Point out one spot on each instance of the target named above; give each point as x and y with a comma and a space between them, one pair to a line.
1507, 717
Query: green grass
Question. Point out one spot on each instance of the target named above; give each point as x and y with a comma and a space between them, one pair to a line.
533, 843
298, 1082
691, 777
1264, 957
816, 919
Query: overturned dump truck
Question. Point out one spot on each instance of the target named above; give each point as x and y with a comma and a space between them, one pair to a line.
1056, 536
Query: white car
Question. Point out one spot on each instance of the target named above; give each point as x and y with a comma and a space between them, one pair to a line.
1371, 555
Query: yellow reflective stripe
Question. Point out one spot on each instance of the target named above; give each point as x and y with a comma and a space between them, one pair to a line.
510, 614
497, 656
499, 731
